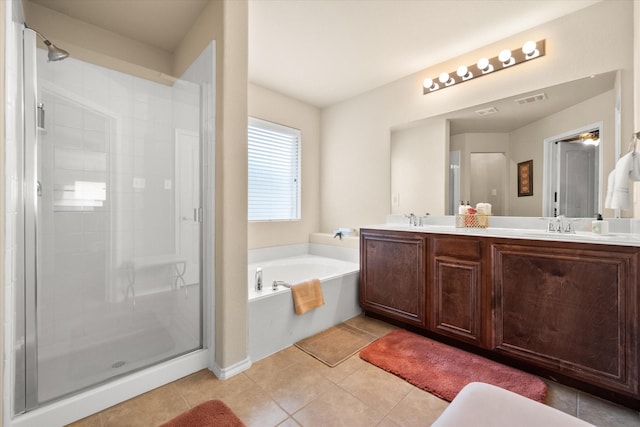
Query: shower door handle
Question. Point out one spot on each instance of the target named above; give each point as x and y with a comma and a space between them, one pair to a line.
38, 189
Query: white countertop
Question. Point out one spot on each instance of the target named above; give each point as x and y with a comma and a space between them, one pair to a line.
620, 239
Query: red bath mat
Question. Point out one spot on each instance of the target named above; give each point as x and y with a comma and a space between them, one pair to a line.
444, 370
207, 414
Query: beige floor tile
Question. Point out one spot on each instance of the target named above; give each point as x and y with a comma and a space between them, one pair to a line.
376, 387
418, 408
293, 388
562, 398
373, 326
605, 414
255, 408
337, 373
289, 422
91, 421
263, 370
388, 422
149, 409
337, 408
203, 385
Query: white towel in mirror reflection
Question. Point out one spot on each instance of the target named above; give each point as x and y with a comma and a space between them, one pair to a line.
627, 167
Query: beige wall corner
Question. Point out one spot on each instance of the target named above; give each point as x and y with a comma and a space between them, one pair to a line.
231, 345
207, 27
275, 107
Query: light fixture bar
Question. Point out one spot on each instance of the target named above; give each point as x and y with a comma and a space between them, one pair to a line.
505, 59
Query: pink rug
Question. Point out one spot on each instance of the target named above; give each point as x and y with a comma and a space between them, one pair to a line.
208, 414
444, 370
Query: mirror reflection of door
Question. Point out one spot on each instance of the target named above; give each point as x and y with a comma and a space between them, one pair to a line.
454, 182
488, 174
575, 181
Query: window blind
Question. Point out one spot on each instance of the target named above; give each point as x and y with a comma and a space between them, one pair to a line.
274, 171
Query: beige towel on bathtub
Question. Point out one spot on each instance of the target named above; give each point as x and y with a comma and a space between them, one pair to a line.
307, 296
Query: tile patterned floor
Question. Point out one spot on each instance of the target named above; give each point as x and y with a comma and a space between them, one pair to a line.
290, 388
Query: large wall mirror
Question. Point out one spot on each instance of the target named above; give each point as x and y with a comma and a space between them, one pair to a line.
562, 137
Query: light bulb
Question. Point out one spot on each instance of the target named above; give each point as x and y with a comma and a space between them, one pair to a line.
430, 84
504, 55
506, 58
444, 77
529, 47
529, 50
484, 65
463, 71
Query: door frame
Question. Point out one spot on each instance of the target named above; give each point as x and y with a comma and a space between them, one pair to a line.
549, 174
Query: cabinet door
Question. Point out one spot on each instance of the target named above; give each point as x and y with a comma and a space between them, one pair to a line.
569, 309
457, 281
392, 275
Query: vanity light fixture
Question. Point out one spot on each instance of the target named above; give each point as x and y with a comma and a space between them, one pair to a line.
505, 59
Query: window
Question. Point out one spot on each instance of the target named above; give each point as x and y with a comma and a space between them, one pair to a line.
274, 171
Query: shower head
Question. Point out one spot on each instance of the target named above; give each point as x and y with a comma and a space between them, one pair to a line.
55, 53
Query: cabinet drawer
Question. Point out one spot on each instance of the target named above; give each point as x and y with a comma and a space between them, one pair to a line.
456, 247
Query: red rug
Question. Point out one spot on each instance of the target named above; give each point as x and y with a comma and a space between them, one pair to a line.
207, 414
444, 370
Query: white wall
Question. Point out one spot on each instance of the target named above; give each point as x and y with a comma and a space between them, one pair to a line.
419, 165
358, 129
274, 107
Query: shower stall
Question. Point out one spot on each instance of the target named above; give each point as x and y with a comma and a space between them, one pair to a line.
111, 224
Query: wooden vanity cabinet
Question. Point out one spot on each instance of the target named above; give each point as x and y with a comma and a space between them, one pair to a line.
392, 275
456, 289
569, 308
568, 311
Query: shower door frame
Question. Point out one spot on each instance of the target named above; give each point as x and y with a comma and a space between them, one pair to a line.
27, 399
25, 393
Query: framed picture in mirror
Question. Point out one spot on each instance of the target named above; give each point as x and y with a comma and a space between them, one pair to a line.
525, 178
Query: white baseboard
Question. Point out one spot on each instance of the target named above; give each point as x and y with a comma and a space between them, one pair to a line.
228, 372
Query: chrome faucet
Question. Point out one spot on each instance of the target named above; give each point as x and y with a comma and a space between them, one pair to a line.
412, 219
258, 284
561, 225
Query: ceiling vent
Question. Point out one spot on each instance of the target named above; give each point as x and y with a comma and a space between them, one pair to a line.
532, 98
487, 111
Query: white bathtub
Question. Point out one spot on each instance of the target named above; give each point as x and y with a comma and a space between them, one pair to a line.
273, 324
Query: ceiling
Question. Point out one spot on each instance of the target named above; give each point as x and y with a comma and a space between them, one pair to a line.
326, 51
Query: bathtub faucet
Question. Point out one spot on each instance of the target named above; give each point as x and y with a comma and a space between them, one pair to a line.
258, 279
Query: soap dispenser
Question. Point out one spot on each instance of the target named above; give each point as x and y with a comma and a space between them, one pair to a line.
599, 226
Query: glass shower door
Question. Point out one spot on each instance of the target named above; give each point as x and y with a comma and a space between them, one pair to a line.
118, 225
